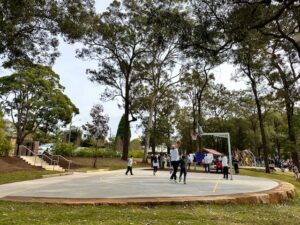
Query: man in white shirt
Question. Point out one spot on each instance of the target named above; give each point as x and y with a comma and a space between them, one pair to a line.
206, 163
225, 167
129, 166
174, 162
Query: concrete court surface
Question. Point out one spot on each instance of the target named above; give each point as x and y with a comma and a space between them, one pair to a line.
115, 184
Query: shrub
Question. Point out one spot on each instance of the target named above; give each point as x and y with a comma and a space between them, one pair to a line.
5, 145
136, 153
93, 152
64, 149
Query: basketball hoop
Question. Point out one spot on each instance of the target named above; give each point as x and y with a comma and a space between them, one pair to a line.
194, 135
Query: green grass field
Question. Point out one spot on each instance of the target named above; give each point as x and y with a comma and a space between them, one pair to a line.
10, 177
285, 214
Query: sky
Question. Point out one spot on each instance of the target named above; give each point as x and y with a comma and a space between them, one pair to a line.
84, 94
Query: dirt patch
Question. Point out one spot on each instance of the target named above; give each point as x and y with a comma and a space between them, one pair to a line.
10, 164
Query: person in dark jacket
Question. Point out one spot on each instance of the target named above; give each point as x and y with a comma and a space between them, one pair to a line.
236, 165
183, 163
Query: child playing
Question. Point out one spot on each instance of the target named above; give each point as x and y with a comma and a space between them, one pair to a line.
183, 162
155, 165
129, 165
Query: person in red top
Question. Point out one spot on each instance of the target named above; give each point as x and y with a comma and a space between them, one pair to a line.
219, 166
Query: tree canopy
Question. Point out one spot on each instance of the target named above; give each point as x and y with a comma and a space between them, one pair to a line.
34, 99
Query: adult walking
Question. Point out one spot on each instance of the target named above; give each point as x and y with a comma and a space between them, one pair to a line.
129, 166
174, 162
225, 167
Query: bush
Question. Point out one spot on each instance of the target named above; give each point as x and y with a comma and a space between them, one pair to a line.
64, 149
136, 153
5, 145
92, 152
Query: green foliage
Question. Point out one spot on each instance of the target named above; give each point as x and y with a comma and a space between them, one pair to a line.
94, 152
87, 143
111, 143
34, 99
135, 144
5, 145
64, 149
29, 28
136, 153
121, 128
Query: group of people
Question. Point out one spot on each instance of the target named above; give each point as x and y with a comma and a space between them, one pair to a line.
176, 160
291, 167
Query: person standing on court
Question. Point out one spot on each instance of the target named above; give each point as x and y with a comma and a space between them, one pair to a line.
197, 159
236, 165
225, 167
129, 165
206, 163
155, 165
191, 160
174, 162
183, 162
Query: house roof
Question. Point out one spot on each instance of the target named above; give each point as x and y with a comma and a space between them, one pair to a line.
212, 151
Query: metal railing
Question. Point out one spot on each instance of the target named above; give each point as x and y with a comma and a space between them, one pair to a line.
63, 158
53, 162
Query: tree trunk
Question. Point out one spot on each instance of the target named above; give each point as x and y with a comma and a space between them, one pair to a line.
276, 126
278, 148
95, 161
168, 146
19, 142
291, 132
199, 139
153, 136
261, 123
153, 145
127, 125
149, 127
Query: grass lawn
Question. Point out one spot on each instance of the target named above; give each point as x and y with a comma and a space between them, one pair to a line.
286, 214
105, 163
15, 176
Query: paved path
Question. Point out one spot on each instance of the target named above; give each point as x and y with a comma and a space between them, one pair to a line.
114, 184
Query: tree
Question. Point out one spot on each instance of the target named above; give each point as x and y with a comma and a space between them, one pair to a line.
34, 99
218, 25
250, 61
98, 128
5, 145
116, 39
135, 144
29, 28
283, 76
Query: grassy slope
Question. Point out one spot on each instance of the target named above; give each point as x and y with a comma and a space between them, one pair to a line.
287, 214
10, 177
